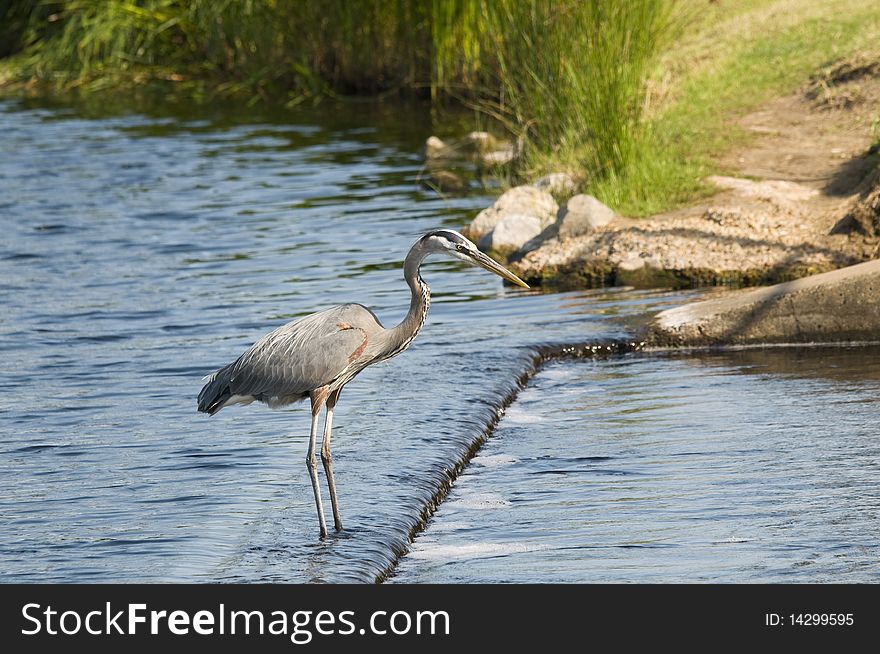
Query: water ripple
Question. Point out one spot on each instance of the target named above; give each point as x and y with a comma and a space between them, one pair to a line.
144, 250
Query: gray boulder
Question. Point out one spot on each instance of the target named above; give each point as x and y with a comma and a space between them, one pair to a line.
511, 233
840, 305
526, 200
582, 215
534, 243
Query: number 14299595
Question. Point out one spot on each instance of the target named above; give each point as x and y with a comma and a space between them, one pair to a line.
809, 619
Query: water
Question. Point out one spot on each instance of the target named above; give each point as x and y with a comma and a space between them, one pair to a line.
745, 466
142, 252
143, 249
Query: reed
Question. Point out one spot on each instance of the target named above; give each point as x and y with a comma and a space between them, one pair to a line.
616, 92
555, 72
571, 75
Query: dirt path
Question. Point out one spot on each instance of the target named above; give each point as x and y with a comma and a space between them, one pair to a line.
808, 167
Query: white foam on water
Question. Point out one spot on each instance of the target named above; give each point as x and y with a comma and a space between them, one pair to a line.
435, 551
494, 460
520, 416
450, 525
476, 500
558, 373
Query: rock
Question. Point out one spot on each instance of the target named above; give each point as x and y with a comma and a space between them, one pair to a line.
582, 215
489, 150
643, 271
446, 181
864, 214
482, 140
526, 200
498, 157
726, 216
840, 305
511, 233
632, 262
534, 243
482, 147
654, 263
558, 183
753, 233
434, 148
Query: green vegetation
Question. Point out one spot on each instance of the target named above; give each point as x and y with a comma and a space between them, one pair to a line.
559, 75
731, 60
634, 97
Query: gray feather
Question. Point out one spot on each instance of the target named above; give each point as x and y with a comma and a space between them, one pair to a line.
285, 364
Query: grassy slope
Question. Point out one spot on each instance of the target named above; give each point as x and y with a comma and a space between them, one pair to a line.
733, 57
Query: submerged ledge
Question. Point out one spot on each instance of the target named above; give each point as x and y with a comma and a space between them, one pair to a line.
540, 355
835, 308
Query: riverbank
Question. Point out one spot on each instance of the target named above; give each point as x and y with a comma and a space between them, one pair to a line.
802, 197
633, 101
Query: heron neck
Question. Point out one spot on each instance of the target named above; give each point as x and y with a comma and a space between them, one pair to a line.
403, 334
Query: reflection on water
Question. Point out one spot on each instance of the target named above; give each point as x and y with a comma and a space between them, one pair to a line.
756, 465
142, 251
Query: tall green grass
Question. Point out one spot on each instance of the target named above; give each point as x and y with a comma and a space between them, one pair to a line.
561, 75
575, 82
571, 75
730, 69
260, 46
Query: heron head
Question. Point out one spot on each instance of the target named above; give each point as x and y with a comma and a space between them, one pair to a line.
453, 244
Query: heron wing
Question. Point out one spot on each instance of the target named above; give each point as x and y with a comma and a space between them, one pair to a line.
300, 356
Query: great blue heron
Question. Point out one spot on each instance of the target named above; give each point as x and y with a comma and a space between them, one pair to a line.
315, 356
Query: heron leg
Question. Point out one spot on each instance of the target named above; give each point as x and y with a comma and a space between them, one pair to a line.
327, 459
318, 397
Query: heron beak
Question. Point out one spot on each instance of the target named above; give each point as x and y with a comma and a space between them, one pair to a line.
493, 266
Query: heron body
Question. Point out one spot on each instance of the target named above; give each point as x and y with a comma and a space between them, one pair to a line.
324, 349
315, 356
